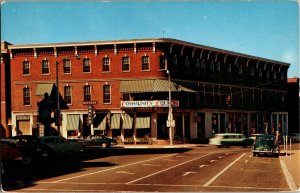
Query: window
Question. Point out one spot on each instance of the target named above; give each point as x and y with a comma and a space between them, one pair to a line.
87, 93
26, 96
106, 64
26, 68
186, 64
106, 94
86, 65
218, 68
197, 65
67, 95
162, 62
125, 63
242, 98
67, 66
202, 67
175, 62
45, 67
145, 63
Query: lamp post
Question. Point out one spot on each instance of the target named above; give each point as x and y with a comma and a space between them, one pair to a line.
57, 122
170, 115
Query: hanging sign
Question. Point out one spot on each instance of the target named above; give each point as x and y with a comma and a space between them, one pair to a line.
145, 104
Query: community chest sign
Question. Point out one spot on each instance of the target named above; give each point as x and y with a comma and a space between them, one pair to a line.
145, 104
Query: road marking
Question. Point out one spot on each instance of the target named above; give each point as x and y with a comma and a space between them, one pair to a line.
221, 172
203, 166
179, 156
150, 165
187, 173
220, 157
113, 168
124, 172
167, 169
211, 161
171, 160
246, 161
288, 176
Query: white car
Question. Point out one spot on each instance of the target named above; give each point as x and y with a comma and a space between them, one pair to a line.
61, 145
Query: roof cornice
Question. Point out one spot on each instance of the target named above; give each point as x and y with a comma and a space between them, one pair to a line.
146, 40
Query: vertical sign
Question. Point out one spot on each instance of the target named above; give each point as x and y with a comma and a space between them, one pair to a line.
90, 114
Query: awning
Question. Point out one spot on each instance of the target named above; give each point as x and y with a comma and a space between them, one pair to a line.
142, 122
127, 121
102, 125
140, 86
73, 122
43, 88
115, 121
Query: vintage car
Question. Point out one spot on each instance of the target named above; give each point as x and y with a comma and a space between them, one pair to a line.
230, 139
30, 147
60, 145
10, 151
265, 144
99, 140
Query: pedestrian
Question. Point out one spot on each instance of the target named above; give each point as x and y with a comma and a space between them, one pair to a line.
277, 137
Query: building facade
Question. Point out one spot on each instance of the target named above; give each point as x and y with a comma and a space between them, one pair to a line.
121, 89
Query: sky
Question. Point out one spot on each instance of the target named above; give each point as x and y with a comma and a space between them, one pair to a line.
267, 29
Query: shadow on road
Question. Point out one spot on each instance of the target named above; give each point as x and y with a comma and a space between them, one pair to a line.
17, 175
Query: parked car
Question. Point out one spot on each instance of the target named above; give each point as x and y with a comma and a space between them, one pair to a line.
230, 139
265, 144
254, 136
60, 145
31, 148
295, 137
99, 140
10, 150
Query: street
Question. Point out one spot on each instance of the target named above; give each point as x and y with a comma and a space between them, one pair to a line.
198, 168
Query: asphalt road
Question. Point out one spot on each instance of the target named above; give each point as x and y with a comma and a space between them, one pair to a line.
201, 169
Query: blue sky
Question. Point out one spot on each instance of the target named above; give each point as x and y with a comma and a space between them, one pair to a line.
268, 29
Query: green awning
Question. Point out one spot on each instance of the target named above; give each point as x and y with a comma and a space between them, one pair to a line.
43, 88
157, 85
127, 121
73, 122
142, 122
115, 121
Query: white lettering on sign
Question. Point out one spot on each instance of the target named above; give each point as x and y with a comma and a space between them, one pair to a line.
154, 103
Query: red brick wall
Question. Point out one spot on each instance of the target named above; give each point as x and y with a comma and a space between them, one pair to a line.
77, 79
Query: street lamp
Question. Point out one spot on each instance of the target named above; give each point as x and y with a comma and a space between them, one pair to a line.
170, 115
57, 122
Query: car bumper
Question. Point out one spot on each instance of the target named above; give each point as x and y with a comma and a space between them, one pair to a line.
266, 151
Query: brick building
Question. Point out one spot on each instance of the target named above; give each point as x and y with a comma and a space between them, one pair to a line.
213, 90
5, 91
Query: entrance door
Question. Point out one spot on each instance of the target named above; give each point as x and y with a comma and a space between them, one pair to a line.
23, 127
162, 129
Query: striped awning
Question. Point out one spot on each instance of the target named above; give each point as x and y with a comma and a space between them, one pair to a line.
73, 122
115, 121
127, 121
142, 122
102, 125
43, 88
157, 85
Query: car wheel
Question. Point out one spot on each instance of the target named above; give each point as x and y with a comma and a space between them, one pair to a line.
26, 159
104, 145
254, 154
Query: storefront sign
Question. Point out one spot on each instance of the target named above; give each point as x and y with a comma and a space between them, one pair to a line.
147, 104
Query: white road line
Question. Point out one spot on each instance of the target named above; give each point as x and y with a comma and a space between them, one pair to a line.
246, 161
288, 176
187, 173
113, 168
221, 172
167, 169
124, 172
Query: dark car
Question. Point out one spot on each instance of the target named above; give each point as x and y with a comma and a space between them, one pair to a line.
99, 140
10, 151
266, 144
30, 147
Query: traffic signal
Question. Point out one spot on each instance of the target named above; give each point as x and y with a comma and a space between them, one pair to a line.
228, 100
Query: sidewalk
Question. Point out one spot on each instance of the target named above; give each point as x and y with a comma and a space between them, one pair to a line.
290, 164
